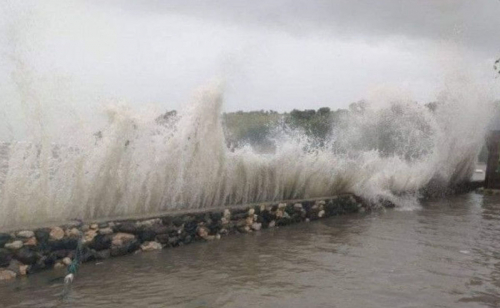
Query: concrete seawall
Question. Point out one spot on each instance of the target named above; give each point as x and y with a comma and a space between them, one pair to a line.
27, 251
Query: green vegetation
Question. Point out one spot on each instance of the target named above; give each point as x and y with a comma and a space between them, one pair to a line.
257, 128
391, 132
254, 128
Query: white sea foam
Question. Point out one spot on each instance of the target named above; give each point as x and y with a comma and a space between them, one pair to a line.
140, 166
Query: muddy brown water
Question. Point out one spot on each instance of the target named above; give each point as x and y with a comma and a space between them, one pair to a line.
446, 254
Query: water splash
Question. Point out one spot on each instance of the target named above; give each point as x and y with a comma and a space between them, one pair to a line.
131, 164
135, 165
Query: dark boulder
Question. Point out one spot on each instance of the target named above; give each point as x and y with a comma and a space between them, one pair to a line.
88, 254
188, 218
127, 227
42, 235
173, 231
4, 238
49, 260
177, 221
162, 238
289, 209
191, 227
126, 248
65, 243
215, 227
39, 265
147, 235
216, 216
102, 254
5, 257
160, 229
101, 242
333, 209
26, 255
167, 220
60, 254
267, 216
188, 239
173, 241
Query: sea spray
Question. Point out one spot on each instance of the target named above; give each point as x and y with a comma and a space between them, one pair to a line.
61, 166
136, 165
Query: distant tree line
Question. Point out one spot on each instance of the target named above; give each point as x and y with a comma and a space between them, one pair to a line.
257, 128
383, 132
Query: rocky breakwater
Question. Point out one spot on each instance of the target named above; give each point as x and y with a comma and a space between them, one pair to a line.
28, 251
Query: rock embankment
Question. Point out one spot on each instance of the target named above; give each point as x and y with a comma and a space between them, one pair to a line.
27, 251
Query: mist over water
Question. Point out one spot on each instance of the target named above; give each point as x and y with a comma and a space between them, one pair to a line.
68, 165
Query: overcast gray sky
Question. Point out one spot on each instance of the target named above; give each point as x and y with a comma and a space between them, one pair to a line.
273, 54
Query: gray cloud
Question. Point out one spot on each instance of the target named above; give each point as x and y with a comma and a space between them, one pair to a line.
275, 54
473, 23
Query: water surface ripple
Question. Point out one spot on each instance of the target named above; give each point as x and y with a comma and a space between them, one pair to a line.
445, 255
